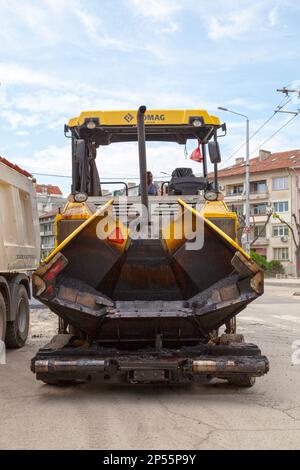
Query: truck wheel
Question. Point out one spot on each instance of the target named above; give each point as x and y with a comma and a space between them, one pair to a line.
2, 318
17, 330
242, 381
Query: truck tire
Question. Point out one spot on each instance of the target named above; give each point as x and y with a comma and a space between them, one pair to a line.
242, 381
3, 317
17, 330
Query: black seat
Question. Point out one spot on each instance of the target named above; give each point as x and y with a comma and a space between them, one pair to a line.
184, 182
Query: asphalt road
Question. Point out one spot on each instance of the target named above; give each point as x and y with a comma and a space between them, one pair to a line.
218, 416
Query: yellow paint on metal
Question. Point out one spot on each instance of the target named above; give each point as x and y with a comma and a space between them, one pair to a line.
229, 240
219, 209
67, 240
64, 215
157, 117
215, 207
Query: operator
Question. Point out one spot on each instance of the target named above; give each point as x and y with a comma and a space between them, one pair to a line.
152, 189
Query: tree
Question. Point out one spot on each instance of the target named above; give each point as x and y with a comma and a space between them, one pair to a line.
242, 225
295, 236
261, 231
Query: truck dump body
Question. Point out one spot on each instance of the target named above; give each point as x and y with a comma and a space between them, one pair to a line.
19, 233
19, 251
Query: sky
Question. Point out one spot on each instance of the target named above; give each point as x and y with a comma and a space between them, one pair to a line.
59, 57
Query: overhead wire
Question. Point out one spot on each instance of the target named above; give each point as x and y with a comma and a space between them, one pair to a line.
279, 107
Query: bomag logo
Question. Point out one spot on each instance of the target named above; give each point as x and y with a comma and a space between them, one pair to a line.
155, 117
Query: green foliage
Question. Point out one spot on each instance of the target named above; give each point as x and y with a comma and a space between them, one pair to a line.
275, 267
271, 268
260, 260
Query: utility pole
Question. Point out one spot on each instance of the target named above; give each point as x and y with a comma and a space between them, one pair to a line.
286, 91
246, 237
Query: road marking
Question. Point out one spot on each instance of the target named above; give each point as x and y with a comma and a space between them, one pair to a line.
251, 319
287, 318
270, 323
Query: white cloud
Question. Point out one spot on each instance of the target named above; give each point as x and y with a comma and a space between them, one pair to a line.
233, 26
231, 19
160, 11
23, 144
273, 16
22, 133
15, 119
12, 118
15, 74
53, 158
94, 29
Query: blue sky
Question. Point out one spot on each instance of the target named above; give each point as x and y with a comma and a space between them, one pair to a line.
59, 57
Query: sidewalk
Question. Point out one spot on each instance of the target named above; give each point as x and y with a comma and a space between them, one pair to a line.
291, 282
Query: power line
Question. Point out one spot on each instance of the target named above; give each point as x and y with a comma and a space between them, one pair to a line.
102, 178
69, 177
112, 179
52, 176
280, 106
276, 132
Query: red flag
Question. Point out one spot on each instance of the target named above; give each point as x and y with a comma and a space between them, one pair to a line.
196, 154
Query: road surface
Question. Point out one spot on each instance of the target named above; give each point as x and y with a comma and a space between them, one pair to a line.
218, 416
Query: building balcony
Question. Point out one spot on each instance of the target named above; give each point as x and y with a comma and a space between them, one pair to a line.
47, 233
47, 247
259, 217
229, 197
234, 198
261, 241
259, 196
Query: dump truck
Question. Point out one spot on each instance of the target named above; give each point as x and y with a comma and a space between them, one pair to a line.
19, 251
147, 288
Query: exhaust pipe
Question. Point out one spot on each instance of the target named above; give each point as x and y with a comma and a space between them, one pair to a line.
142, 161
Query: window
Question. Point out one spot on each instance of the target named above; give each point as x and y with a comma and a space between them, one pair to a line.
259, 231
258, 209
280, 183
280, 230
281, 254
281, 206
258, 187
236, 189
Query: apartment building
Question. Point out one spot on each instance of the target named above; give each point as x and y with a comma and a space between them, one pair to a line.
275, 188
49, 198
47, 233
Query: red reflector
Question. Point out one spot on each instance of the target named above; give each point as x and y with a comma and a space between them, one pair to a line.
116, 236
54, 270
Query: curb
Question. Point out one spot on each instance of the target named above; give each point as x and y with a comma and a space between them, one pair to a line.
291, 283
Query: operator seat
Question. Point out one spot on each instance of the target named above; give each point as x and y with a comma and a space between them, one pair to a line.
184, 182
